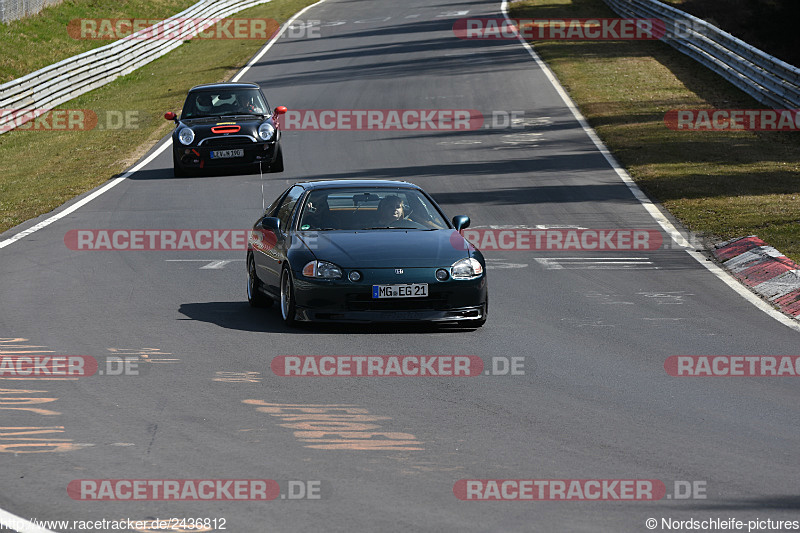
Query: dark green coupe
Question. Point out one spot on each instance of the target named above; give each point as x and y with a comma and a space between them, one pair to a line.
365, 251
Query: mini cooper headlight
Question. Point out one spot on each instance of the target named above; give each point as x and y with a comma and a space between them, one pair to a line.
186, 136
322, 269
266, 131
468, 268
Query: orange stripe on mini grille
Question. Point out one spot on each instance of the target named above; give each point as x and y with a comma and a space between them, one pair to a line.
226, 129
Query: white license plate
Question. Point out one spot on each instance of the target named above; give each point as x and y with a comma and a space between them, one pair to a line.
227, 154
410, 290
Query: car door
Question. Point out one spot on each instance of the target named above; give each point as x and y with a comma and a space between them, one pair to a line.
273, 258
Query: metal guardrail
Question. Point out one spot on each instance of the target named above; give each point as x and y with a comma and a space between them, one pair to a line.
769, 80
39, 91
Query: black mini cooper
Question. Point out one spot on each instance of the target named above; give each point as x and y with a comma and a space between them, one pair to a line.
226, 125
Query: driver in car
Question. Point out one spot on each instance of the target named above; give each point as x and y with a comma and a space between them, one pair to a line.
317, 214
203, 103
250, 105
390, 211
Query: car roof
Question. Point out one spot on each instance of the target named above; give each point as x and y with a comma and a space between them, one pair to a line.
224, 86
338, 184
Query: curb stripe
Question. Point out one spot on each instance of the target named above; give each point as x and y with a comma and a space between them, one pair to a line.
770, 273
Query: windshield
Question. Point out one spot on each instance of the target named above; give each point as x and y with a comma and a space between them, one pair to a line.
369, 208
216, 103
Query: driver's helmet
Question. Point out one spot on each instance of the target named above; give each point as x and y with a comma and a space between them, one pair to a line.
203, 102
250, 104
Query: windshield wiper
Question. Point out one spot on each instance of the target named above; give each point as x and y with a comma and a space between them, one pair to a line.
388, 227
234, 115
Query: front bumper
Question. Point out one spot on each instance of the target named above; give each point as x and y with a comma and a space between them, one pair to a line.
343, 300
199, 157
452, 315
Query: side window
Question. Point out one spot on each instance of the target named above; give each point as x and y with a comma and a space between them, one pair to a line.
272, 209
287, 206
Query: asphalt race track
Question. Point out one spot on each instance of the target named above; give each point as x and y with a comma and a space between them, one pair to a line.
594, 328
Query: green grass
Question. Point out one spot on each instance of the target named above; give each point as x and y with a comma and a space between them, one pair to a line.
719, 184
34, 42
43, 169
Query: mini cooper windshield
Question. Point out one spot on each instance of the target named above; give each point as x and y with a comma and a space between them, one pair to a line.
217, 103
369, 209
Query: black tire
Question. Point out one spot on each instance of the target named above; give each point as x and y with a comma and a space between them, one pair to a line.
177, 170
255, 297
277, 166
287, 298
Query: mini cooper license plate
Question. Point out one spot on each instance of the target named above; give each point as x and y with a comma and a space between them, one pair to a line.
407, 290
227, 154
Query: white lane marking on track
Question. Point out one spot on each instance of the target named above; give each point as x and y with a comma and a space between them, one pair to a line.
596, 263
668, 297
497, 263
7, 519
649, 206
211, 264
77, 205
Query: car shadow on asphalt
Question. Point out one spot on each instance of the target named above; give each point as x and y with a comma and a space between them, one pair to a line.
240, 316
147, 174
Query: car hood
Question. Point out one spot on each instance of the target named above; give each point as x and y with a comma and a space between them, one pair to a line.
387, 248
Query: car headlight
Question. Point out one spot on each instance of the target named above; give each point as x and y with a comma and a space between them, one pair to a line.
266, 131
186, 136
322, 269
468, 268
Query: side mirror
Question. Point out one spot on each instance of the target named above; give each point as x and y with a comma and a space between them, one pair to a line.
280, 110
461, 222
272, 224
171, 116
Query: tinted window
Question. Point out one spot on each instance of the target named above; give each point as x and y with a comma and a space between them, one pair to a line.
208, 103
369, 208
287, 207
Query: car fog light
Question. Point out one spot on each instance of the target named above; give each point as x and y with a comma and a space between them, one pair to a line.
354, 276
442, 274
